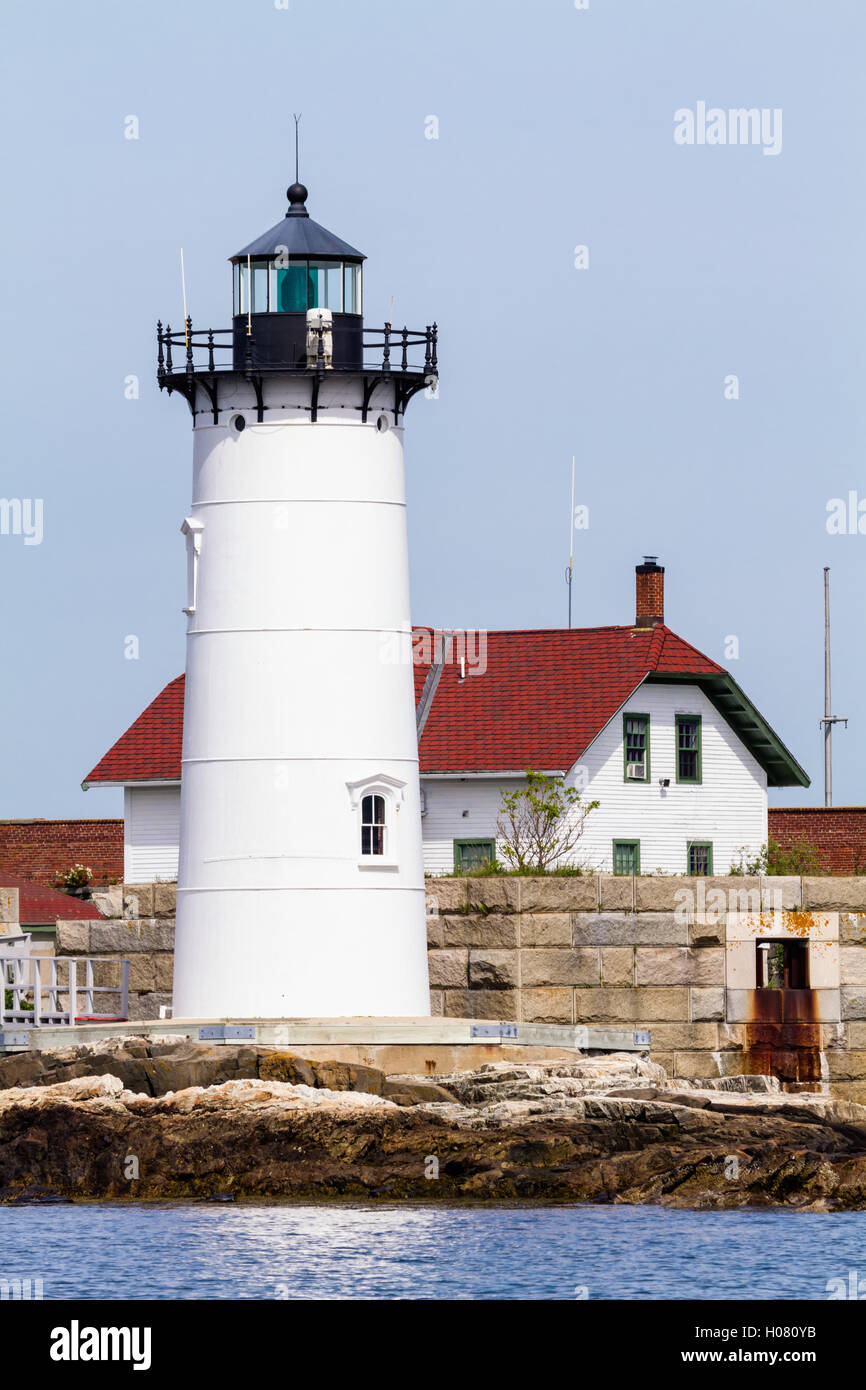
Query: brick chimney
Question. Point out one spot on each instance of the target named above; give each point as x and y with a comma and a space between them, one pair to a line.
649, 579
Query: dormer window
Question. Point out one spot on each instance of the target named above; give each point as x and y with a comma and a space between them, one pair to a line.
373, 827
375, 802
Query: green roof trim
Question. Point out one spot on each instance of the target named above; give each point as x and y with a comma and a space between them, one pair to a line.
748, 723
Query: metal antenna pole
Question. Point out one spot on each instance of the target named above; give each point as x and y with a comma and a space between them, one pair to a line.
828, 727
569, 573
297, 123
183, 292
829, 719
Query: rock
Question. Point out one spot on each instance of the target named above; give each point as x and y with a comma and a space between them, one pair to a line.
158, 1068
335, 1076
78, 1089
285, 1066
349, 1076
411, 1090
36, 1197
584, 1128
108, 901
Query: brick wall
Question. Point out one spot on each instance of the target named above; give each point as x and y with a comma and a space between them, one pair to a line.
38, 849
837, 832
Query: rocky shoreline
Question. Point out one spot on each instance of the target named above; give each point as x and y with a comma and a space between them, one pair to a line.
140, 1121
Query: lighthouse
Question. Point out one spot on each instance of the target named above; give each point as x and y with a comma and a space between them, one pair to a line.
300, 883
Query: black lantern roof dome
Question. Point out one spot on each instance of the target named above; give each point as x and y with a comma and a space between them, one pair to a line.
298, 235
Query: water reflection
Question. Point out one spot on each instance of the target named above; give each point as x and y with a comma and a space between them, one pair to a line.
429, 1252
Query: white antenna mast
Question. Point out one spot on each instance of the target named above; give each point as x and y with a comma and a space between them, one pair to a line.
569, 573
183, 292
829, 719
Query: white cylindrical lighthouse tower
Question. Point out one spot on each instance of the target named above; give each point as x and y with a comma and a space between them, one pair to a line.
300, 888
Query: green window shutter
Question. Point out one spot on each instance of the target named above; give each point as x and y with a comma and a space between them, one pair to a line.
626, 857
700, 858
473, 854
636, 747
688, 728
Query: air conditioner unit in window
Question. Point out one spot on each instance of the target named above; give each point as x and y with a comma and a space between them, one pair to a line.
636, 771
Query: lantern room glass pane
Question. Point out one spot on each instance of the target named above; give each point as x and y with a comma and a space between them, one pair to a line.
351, 289
292, 289
243, 296
260, 287
334, 287
324, 285
236, 294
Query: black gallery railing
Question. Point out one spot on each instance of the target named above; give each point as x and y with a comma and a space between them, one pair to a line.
386, 350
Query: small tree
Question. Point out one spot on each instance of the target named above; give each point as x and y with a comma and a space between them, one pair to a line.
541, 823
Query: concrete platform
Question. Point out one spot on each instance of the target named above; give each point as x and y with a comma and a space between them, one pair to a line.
396, 1045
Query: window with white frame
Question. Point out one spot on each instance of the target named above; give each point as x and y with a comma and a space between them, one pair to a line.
373, 824
375, 802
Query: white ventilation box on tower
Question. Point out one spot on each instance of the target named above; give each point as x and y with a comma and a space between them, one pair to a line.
320, 323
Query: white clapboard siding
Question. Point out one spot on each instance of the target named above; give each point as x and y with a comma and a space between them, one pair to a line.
444, 822
728, 808
151, 819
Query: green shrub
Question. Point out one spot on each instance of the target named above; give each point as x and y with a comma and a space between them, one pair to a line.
801, 857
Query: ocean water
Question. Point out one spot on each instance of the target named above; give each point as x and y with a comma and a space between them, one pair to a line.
274, 1251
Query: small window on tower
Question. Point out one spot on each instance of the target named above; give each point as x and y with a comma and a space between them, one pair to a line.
373, 824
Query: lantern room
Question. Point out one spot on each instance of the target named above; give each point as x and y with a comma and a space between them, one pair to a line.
298, 280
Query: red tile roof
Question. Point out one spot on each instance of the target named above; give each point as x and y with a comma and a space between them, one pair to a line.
150, 749
38, 905
545, 695
543, 698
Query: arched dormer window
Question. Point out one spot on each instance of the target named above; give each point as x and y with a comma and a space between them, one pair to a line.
376, 802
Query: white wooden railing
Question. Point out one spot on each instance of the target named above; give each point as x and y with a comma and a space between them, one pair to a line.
60, 989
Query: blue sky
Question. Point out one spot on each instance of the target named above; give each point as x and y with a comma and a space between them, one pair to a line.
555, 129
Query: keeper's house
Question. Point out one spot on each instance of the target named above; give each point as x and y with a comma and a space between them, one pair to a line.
661, 736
